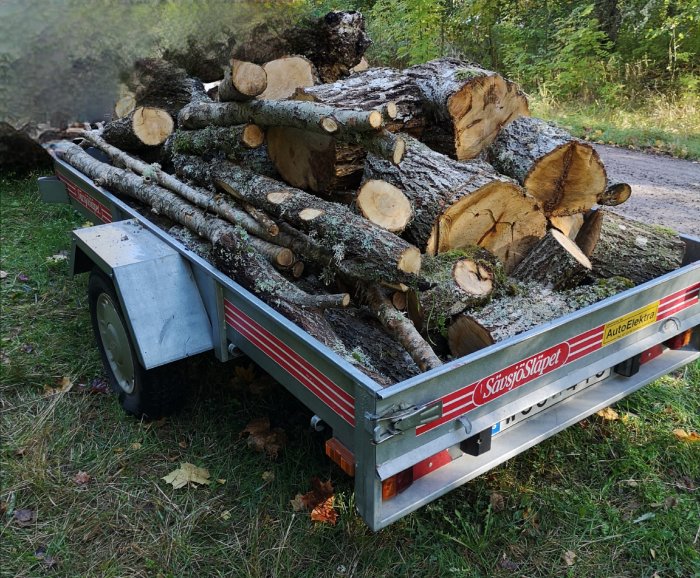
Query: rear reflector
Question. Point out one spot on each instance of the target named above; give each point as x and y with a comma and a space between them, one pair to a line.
397, 484
680, 340
341, 456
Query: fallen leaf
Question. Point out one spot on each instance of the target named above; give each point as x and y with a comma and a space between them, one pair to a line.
653, 553
25, 517
3, 274
608, 414
262, 439
182, 444
569, 557
497, 502
41, 554
27, 348
319, 500
187, 474
118, 450
58, 258
22, 277
644, 518
246, 374
135, 446
3, 507
20, 452
508, 564
670, 502
64, 386
268, 476
82, 478
225, 515
325, 512
220, 481
681, 434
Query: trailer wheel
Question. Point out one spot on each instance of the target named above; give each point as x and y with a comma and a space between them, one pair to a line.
144, 393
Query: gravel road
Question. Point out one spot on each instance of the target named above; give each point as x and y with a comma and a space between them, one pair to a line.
665, 191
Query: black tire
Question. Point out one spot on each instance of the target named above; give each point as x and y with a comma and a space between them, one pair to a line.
144, 393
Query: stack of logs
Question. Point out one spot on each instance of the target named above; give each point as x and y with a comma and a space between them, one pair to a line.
421, 206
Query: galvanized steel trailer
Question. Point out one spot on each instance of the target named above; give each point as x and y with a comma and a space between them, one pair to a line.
414, 441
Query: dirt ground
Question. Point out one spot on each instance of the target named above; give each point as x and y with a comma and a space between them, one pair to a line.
665, 191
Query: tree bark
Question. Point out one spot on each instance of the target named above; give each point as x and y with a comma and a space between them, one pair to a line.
459, 280
141, 131
617, 246
339, 231
457, 204
563, 173
466, 105
242, 81
216, 140
374, 89
529, 305
297, 114
401, 328
555, 260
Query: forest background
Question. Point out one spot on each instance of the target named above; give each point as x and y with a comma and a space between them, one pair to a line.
620, 71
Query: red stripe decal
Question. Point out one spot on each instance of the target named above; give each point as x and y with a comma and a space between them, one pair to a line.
332, 395
461, 401
90, 203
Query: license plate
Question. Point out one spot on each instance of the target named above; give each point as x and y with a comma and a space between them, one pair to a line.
548, 402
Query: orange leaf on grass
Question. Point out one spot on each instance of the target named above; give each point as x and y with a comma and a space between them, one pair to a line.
681, 434
320, 500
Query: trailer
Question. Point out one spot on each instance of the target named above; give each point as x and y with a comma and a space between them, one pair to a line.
154, 303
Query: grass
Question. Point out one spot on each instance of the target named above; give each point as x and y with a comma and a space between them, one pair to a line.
660, 125
621, 496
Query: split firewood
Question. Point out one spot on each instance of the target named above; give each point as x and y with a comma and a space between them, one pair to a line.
325, 164
459, 279
285, 75
401, 328
617, 246
216, 140
467, 105
565, 174
615, 194
143, 129
375, 89
297, 114
19, 153
454, 204
242, 81
337, 229
570, 225
528, 305
334, 43
554, 260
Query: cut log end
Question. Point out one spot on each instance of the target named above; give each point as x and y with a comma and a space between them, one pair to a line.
384, 205
285, 75
275, 197
253, 136
615, 194
399, 151
498, 217
399, 299
310, 214
567, 180
152, 125
570, 225
472, 278
410, 261
465, 335
329, 125
375, 119
243, 81
391, 110
480, 109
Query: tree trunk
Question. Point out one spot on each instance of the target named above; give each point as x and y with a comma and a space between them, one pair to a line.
529, 305
215, 140
555, 260
338, 230
457, 204
401, 328
285, 75
459, 280
19, 153
374, 89
297, 114
563, 173
141, 131
242, 81
467, 105
617, 246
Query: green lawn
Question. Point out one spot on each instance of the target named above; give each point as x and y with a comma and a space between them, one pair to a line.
604, 498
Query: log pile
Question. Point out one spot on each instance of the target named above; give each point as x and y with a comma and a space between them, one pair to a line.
424, 206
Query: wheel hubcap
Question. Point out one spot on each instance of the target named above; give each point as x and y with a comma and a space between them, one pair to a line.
116, 342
